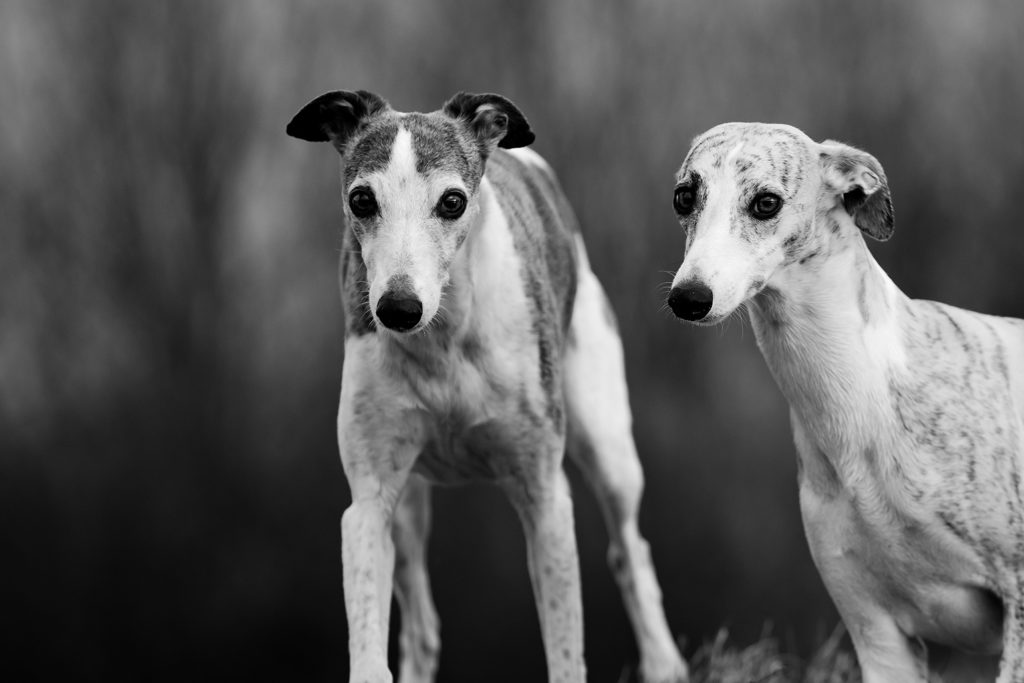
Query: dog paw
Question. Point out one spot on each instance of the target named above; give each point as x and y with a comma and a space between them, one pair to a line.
374, 676
668, 671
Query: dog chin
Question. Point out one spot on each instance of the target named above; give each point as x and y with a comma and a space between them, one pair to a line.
708, 321
399, 334
413, 331
712, 319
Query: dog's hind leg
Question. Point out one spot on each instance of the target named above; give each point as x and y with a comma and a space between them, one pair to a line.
601, 443
419, 640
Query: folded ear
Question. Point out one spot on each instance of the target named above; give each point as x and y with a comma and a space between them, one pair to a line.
335, 116
492, 120
859, 178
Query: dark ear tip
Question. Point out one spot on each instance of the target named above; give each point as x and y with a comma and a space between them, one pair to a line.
885, 233
302, 127
883, 224
293, 130
890, 229
336, 113
517, 139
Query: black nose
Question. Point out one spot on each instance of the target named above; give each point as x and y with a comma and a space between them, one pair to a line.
399, 314
690, 301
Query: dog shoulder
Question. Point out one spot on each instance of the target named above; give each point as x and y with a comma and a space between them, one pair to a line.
961, 389
543, 225
963, 336
524, 179
531, 158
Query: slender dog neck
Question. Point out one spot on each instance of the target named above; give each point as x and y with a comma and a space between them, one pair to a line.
474, 264
829, 332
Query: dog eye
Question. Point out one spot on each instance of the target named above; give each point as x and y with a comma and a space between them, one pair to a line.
362, 203
765, 205
684, 200
451, 205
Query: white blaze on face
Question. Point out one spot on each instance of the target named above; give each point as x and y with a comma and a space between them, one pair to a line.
718, 257
404, 247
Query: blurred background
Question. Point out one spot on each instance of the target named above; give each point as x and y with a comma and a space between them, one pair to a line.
171, 335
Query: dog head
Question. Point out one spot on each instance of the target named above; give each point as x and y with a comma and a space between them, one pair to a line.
755, 199
410, 188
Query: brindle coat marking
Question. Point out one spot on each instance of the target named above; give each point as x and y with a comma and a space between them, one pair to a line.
513, 356
907, 414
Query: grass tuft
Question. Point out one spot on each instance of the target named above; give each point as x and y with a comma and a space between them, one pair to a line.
719, 661
763, 662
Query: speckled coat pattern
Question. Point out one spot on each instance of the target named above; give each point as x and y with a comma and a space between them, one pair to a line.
906, 414
513, 359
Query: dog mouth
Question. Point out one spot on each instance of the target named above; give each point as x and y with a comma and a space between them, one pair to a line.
398, 333
400, 330
707, 321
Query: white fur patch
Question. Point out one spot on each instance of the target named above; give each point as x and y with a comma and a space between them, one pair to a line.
403, 157
718, 257
732, 154
406, 242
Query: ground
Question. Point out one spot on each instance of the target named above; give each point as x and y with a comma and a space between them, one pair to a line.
721, 661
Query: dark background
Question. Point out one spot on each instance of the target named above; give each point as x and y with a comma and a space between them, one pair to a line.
171, 337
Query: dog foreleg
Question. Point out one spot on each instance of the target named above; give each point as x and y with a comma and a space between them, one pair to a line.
886, 654
367, 556
1011, 665
379, 439
420, 640
544, 506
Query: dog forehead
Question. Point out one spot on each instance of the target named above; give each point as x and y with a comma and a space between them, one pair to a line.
439, 144
745, 147
370, 151
753, 156
442, 144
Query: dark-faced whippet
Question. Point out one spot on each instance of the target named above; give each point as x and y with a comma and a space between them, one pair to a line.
906, 413
478, 345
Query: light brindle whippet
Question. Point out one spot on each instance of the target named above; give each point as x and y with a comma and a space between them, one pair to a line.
906, 414
478, 343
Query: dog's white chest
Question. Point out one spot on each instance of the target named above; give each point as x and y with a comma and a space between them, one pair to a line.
474, 396
477, 427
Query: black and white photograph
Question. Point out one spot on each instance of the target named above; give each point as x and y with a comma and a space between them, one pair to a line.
393, 341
